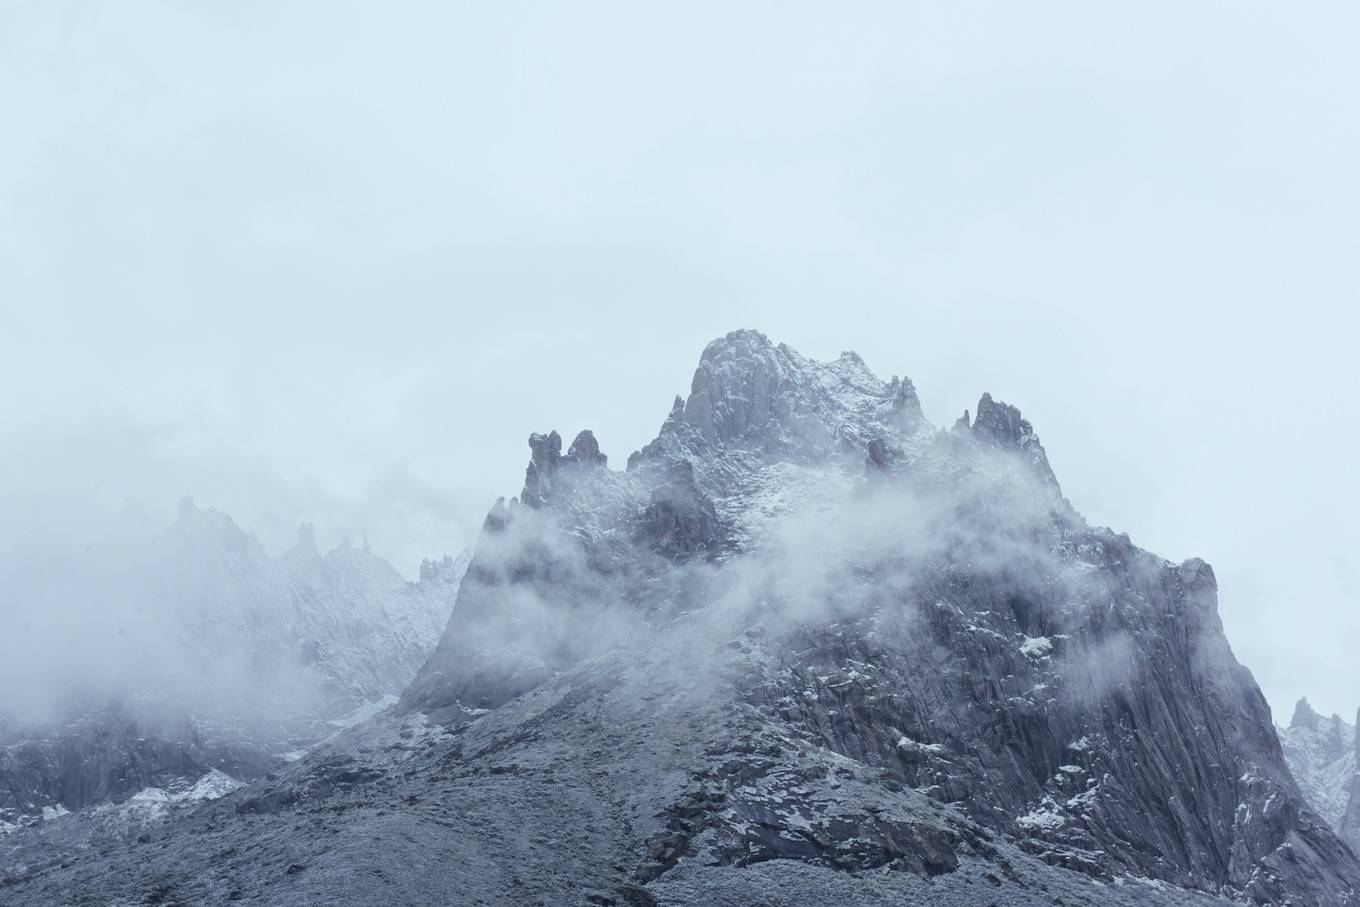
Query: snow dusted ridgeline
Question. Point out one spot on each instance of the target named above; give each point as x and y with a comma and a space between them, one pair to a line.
804, 648
1321, 753
214, 657
344, 626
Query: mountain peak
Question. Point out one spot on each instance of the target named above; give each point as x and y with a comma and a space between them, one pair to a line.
1304, 715
743, 339
585, 450
1001, 425
546, 463
770, 400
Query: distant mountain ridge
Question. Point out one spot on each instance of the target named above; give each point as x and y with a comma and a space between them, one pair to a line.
1321, 753
207, 653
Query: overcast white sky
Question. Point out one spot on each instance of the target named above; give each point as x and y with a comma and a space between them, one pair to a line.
335, 262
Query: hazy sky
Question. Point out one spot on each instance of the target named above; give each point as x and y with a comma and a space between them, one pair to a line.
336, 262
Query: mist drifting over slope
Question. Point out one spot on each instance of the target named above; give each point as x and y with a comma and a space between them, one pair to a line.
304, 289
197, 619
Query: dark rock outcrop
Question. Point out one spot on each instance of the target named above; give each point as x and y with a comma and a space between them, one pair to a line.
108, 755
1001, 425
585, 450
544, 461
679, 519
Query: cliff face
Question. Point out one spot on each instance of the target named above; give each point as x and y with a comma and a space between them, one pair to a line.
927, 605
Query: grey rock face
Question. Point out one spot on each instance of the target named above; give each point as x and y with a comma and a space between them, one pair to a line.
544, 462
744, 671
679, 519
753, 402
108, 755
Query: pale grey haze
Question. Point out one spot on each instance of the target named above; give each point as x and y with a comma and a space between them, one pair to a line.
334, 262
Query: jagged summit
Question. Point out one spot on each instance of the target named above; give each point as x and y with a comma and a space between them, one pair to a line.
753, 399
750, 393
1001, 424
722, 460
1304, 716
546, 461
586, 450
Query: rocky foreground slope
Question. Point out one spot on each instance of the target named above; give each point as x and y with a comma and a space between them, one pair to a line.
193, 651
805, 649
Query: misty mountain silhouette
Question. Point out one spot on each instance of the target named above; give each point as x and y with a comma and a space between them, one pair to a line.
805, 649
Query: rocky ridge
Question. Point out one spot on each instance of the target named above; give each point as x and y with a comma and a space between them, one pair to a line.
805, 649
